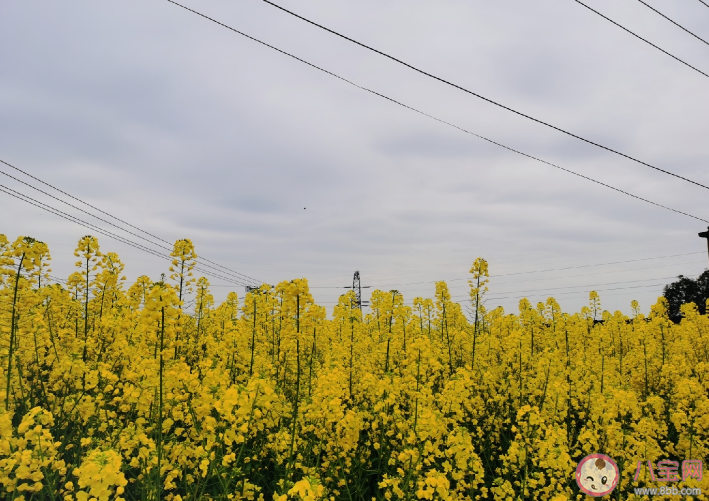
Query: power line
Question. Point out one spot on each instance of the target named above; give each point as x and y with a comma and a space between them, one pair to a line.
706, 4
68, 217
345, 287
623, 248
587, 287
599, 264
573, 292
574, 286
566, 268
583, 286
578, 292
109, 223
84, 211
447, 82
495, 276
673, 22
597, 273
73, 219
462, 129
107, 214
495, 284
643, 39
458, 298
499, 298
79, 200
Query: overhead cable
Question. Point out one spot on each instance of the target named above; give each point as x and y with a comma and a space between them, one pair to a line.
112, 224
599, 264
577, 292
596, 273
641, 38
109, 215
73, 219
538, 263
547, 270
459, 298
581, 286
465, 130
673, 22
447, 82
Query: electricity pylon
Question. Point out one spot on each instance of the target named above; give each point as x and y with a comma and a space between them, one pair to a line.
357, 288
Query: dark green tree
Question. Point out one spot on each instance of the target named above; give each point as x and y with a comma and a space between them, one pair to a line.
685, 290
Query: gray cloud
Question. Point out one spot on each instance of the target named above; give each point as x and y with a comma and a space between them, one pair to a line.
189, 130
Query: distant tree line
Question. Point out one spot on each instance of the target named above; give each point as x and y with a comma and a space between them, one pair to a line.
685, 290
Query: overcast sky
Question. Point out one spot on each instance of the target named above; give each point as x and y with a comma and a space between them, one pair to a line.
276, 170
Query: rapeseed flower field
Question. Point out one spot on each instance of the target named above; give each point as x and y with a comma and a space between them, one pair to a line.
116, 391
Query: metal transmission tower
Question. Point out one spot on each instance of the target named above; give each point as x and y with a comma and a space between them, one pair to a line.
357, 288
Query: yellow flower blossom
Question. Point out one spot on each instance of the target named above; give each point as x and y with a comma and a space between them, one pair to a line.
151, 390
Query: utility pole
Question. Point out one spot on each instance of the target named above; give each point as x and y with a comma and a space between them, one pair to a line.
357, 288
705, 234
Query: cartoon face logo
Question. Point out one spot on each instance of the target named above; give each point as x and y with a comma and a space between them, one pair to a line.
597, 475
